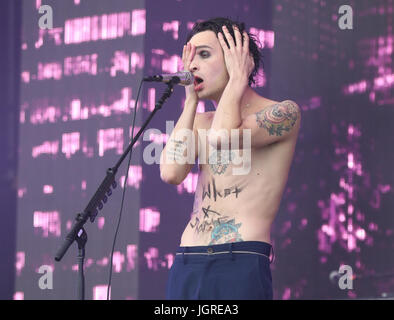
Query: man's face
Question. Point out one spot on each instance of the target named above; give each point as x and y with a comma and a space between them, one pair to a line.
208, 64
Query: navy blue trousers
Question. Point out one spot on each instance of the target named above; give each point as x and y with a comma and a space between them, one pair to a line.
231, 271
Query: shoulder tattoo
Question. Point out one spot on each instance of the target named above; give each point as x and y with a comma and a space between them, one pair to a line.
278, 118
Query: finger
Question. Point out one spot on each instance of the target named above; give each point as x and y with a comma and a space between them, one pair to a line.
222, 42
246, 42
185, 57
188, 55
188, 50
228, 37
237, 37
191, 53
184, 53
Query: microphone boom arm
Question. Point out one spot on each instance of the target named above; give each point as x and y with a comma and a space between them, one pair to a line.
104, 190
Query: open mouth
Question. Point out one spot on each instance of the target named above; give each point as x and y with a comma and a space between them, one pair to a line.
198, 82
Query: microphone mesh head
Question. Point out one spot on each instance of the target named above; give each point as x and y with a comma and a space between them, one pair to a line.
189, 78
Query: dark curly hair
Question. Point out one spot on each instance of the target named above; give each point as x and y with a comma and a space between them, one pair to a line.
215, 25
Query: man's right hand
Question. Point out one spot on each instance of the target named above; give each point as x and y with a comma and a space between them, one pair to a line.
189, 51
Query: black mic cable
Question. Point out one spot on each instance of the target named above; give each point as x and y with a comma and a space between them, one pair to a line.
124, 192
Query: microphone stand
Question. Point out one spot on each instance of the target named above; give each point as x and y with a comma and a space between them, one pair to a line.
100, 197
81, 241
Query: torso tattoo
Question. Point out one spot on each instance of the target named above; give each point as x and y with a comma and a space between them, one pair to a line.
219, 160
219, 228
225, 230
219, 208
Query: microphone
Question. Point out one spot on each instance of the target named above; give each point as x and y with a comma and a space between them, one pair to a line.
184, 78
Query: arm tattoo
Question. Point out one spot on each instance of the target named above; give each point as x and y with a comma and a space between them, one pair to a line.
278, 118
176, 150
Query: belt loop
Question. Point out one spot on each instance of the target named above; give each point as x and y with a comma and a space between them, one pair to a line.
183, 255
231, 251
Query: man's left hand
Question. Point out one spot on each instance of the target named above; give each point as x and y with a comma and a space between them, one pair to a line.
237, 58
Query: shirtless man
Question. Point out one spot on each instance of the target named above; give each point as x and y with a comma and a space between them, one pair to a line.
225, 248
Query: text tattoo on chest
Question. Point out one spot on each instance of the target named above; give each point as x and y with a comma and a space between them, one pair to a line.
221, 229
215, 194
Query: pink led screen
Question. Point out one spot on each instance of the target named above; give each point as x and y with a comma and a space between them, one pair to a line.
78, 91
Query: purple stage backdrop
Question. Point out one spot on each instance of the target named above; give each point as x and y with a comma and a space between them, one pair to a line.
78, 86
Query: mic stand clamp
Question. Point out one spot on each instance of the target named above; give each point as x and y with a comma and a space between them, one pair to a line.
167, 93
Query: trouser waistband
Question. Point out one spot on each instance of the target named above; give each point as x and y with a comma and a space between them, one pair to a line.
242, 247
